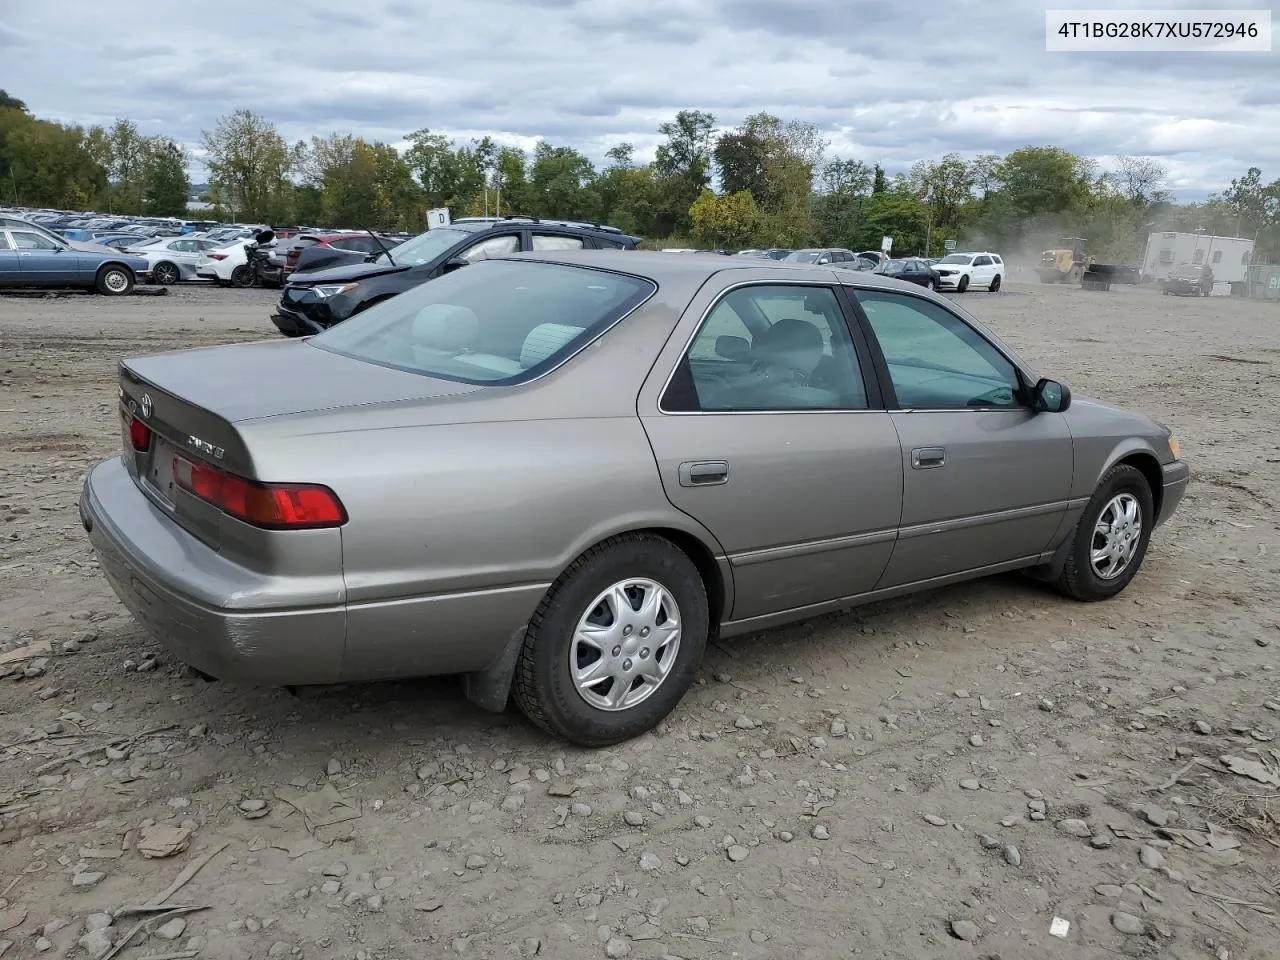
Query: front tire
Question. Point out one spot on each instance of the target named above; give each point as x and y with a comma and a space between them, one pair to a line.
114, 280
615, 643
963, 285
1110, 540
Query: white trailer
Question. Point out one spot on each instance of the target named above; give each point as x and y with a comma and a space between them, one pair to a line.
1227, 257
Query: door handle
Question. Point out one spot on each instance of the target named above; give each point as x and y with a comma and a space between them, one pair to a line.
926, 458
703, 473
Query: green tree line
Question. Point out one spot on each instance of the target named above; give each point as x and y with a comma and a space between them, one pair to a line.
767, 182
110, 169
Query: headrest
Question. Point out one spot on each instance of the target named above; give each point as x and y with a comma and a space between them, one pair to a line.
794, 344
544, 340
443, 326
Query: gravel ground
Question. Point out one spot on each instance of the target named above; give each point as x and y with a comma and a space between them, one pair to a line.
939, 776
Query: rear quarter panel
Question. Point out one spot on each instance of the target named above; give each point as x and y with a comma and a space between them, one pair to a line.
481, 500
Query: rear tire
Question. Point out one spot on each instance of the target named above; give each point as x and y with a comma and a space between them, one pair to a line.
995, 284
242, 276
1085, 577
584, 602
165, 273
114, 280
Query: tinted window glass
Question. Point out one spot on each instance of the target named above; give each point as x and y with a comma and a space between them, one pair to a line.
495, 322
493, 247
426, 246
772, 347
547, 241
936, 360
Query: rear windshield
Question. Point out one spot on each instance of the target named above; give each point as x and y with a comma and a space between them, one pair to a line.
493, 322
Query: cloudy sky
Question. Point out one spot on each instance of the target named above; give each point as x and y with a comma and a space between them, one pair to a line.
887, 82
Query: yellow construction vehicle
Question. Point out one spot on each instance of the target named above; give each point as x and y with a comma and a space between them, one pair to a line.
1065, 263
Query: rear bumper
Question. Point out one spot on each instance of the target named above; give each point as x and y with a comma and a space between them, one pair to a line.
179, 588
1176, 477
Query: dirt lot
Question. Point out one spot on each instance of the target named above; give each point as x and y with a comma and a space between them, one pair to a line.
940, 776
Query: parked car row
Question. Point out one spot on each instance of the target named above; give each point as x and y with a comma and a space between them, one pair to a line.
349, 282
166, 251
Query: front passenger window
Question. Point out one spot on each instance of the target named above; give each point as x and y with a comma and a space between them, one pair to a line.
937, 361
493, 247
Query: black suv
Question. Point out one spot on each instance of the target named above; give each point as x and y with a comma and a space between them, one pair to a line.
318, 299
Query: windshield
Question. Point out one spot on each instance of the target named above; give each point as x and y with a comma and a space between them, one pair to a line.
804, 256
957, 258
425, 247
494, 322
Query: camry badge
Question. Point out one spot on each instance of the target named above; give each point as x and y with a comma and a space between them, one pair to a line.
204, 446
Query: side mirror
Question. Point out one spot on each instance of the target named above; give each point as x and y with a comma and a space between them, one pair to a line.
732, 348
823, 261
1050, 396
453, 263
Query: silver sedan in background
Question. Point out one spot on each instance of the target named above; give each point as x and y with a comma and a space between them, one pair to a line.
559, 474
172, 258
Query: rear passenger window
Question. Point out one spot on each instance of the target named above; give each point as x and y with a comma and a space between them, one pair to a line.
547, 241
770, 348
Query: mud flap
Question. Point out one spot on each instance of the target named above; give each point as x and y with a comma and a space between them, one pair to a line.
490, 688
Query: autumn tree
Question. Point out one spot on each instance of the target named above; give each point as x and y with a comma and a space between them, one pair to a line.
1142, 180
682, 167
728, 221
166, 185
250, 162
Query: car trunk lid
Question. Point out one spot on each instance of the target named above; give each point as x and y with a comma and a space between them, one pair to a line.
191, 402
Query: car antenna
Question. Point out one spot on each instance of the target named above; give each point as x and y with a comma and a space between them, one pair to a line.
381, 244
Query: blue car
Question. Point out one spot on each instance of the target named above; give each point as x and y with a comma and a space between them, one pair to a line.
30, 257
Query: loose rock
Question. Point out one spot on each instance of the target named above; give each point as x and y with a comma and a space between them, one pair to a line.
96, 943
172, 929
1203, 728
1012, 856
970, 784
1075, 828
965, 930
1127, 923
1150, 857
820, 832
737, 852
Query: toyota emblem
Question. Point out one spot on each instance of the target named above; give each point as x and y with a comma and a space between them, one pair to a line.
146, 406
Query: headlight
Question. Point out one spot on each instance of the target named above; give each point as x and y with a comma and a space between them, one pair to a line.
326, 290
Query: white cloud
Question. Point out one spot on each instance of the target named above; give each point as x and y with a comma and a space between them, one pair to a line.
887, 83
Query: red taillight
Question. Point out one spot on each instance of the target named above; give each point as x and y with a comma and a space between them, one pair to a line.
139, 432
217, 256
275, 506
